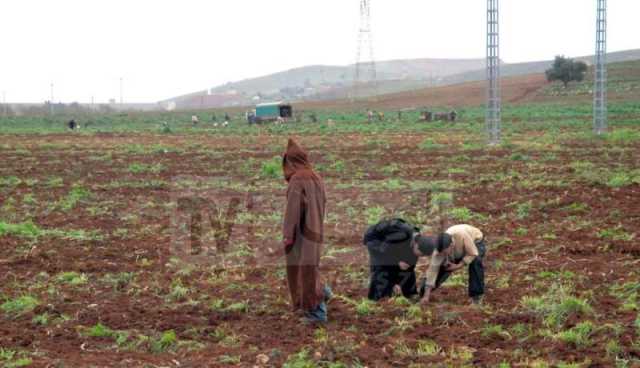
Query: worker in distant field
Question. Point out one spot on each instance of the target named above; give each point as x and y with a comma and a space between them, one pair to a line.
227, 118
194, 120
457, 247
303, 234
392, 260
381, 116
453, 116
72, 124
251, 117
370, 116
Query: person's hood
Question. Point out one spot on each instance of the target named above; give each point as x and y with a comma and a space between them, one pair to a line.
295, 160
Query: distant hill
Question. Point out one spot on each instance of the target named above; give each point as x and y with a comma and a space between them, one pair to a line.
510, 70
319, 75
321, 83
624, 85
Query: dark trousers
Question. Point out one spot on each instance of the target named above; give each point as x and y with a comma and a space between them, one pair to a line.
384, 278
476, 272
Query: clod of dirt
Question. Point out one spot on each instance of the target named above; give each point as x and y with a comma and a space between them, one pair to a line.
262, 359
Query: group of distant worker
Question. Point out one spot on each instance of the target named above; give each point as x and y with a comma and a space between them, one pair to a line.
195, 120
425, 115
251, 118
394, 248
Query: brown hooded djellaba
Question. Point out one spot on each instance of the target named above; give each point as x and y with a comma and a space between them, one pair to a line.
303, 228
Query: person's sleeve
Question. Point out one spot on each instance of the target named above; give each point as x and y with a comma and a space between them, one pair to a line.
293, 210
470, 249
434, 268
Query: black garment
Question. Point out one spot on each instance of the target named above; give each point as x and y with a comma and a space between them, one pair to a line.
389, 243
384, 278
476, 273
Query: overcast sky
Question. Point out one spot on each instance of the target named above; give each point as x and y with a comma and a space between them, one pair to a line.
163, 48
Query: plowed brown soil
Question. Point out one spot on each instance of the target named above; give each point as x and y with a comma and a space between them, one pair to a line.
133, 212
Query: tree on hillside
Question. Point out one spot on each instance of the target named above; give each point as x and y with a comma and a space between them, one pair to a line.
566, 70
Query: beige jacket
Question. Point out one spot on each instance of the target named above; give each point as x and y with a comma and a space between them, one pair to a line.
463, 238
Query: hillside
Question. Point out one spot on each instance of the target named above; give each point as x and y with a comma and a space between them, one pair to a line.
329, 83
319, 75
624, 85
515, 69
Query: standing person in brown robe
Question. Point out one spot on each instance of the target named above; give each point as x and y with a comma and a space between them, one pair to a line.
303, 231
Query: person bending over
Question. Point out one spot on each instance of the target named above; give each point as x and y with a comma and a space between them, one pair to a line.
459, 246
391, 258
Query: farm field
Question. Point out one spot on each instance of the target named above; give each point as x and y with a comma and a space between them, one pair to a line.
93, 228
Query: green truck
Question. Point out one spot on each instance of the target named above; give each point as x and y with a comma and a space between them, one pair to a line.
271, 111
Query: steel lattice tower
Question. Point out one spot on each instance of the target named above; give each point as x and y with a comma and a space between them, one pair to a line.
493, 113
365, 68
600, 70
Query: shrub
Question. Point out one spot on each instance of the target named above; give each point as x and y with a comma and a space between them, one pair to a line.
338, 166
76, 194
374, 214
613, 348
623, 136
578, 336
519, 157
41, 319
20, 305
427, 348
521, 231
523, 209
178, 290
139, 168
24, 229
462, 214
230, 360
120, 280
618, 233
556, 306
167, 340
10, 181
393, 184
241, 307
300, 360
429, 144
619, 180
441, 199
100, 330
72, 278
365, 307
272, 168
495, 331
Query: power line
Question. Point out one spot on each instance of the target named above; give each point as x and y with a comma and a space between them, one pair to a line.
51, 101
365, 68
494, 103
600, 70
